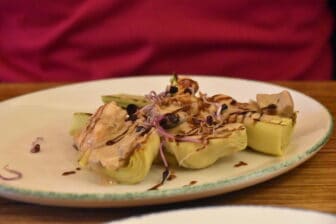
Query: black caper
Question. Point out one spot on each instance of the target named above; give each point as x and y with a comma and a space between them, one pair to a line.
131, 108
173, 118
209, 120
173, 89
224, 107
163, 123
169, 121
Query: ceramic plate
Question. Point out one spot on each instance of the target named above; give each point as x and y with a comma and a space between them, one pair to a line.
234, 215
48, 114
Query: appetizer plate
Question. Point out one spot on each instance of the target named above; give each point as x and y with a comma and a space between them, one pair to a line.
233, 215
48, 114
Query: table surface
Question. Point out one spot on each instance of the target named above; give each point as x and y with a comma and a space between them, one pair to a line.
312, 185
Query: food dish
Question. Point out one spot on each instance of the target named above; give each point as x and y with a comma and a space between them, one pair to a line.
234, 214
179, 127
49, 114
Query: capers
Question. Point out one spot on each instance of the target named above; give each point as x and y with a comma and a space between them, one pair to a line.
131, 109
224, 107
209, 120
170, 121
173, 89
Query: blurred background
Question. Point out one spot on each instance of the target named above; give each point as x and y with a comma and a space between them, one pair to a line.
86, 40
332, 5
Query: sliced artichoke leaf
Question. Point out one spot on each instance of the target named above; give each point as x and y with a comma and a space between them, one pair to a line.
79, 121
123, 100
194, 155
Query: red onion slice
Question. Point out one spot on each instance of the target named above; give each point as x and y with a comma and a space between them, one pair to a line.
163, 157
17, 173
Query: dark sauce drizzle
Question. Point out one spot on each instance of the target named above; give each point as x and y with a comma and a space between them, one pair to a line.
68, 173
171, 177
165, 176
193, 182
241, 163
36, 148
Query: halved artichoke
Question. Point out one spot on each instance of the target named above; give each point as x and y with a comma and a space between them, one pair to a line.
138, 164
195, 155
271, 135
112, 144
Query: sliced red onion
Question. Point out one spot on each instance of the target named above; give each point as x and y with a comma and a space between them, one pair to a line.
147, 108
151, 96
165, 134
17, 173
154, 97
219, 110
163, 157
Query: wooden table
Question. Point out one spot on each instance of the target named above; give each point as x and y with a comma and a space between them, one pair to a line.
312, 185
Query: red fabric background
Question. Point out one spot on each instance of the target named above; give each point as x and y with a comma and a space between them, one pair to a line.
82, 40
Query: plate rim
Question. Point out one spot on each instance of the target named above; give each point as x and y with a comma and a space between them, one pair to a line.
258, 175
220, 208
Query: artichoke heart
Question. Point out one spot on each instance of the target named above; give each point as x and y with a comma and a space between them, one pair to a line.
270, 135
111, 144
195, 155
139, 162
128, 161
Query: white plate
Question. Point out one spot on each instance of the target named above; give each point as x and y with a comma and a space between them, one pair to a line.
234, 215
48, 114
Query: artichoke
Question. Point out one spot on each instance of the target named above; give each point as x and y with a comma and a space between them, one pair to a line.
196, 155
114, 145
